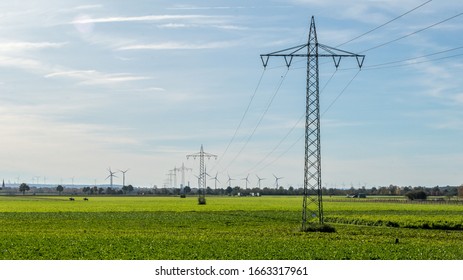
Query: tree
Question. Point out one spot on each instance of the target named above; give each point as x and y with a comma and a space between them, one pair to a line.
127, 189
460, 191
59, 189
416, 194
23, 188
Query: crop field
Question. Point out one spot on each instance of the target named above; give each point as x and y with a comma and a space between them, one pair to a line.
256, 228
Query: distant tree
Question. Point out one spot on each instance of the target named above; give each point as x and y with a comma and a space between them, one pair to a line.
59, 189
291, 190
229, 190
416, 194
23, 188
86, 189
187, 189
460, 191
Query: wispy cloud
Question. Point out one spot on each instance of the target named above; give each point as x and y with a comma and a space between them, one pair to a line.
192, 7
21, 63
89, 7
141, 18
18, 46
93, 77
179, 46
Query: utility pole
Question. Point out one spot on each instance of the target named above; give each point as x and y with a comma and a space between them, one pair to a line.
171, 174
183, 169
175, 175
202, 173
312, 206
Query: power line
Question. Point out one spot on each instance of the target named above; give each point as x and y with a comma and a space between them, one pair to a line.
260, 120
413, 33
242, 118
339, 95
380, 66
300, 137
384, 24
288, 133
368, 32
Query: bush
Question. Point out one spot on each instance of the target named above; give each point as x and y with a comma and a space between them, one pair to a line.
314, 227
416, 195
201, 200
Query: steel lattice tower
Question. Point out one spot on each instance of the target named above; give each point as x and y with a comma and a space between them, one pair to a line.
312, 203
202, 173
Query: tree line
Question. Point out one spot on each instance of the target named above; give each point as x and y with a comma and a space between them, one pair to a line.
391, 190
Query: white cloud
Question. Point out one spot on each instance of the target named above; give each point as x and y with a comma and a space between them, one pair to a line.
89, 7
93, 77
27, 46
179, 46
141, 18
22, 63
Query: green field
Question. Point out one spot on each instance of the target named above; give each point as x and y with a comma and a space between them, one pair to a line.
149, 228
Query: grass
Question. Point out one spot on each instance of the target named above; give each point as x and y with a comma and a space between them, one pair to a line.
34, 227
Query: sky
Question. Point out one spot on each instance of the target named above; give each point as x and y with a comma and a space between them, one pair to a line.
139, 85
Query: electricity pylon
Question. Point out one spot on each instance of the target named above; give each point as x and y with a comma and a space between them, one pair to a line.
183, 169
312, 206
202, 173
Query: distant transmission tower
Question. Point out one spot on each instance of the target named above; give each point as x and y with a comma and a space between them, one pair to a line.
202, 173
312, 206
183, 169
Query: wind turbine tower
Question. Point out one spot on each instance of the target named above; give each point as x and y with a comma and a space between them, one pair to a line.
312, 207
110, 176
229, 180
247, 180
276, 180
215, 180
258, 180
123, 176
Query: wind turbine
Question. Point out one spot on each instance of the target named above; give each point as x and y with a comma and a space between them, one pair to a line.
123, 176
215, 179
276, 180
259, 179
110, 176
247, 180
229, 180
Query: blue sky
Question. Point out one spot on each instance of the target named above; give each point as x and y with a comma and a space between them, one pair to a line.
87, 85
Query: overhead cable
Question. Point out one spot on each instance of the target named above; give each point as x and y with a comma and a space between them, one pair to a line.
384, 24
